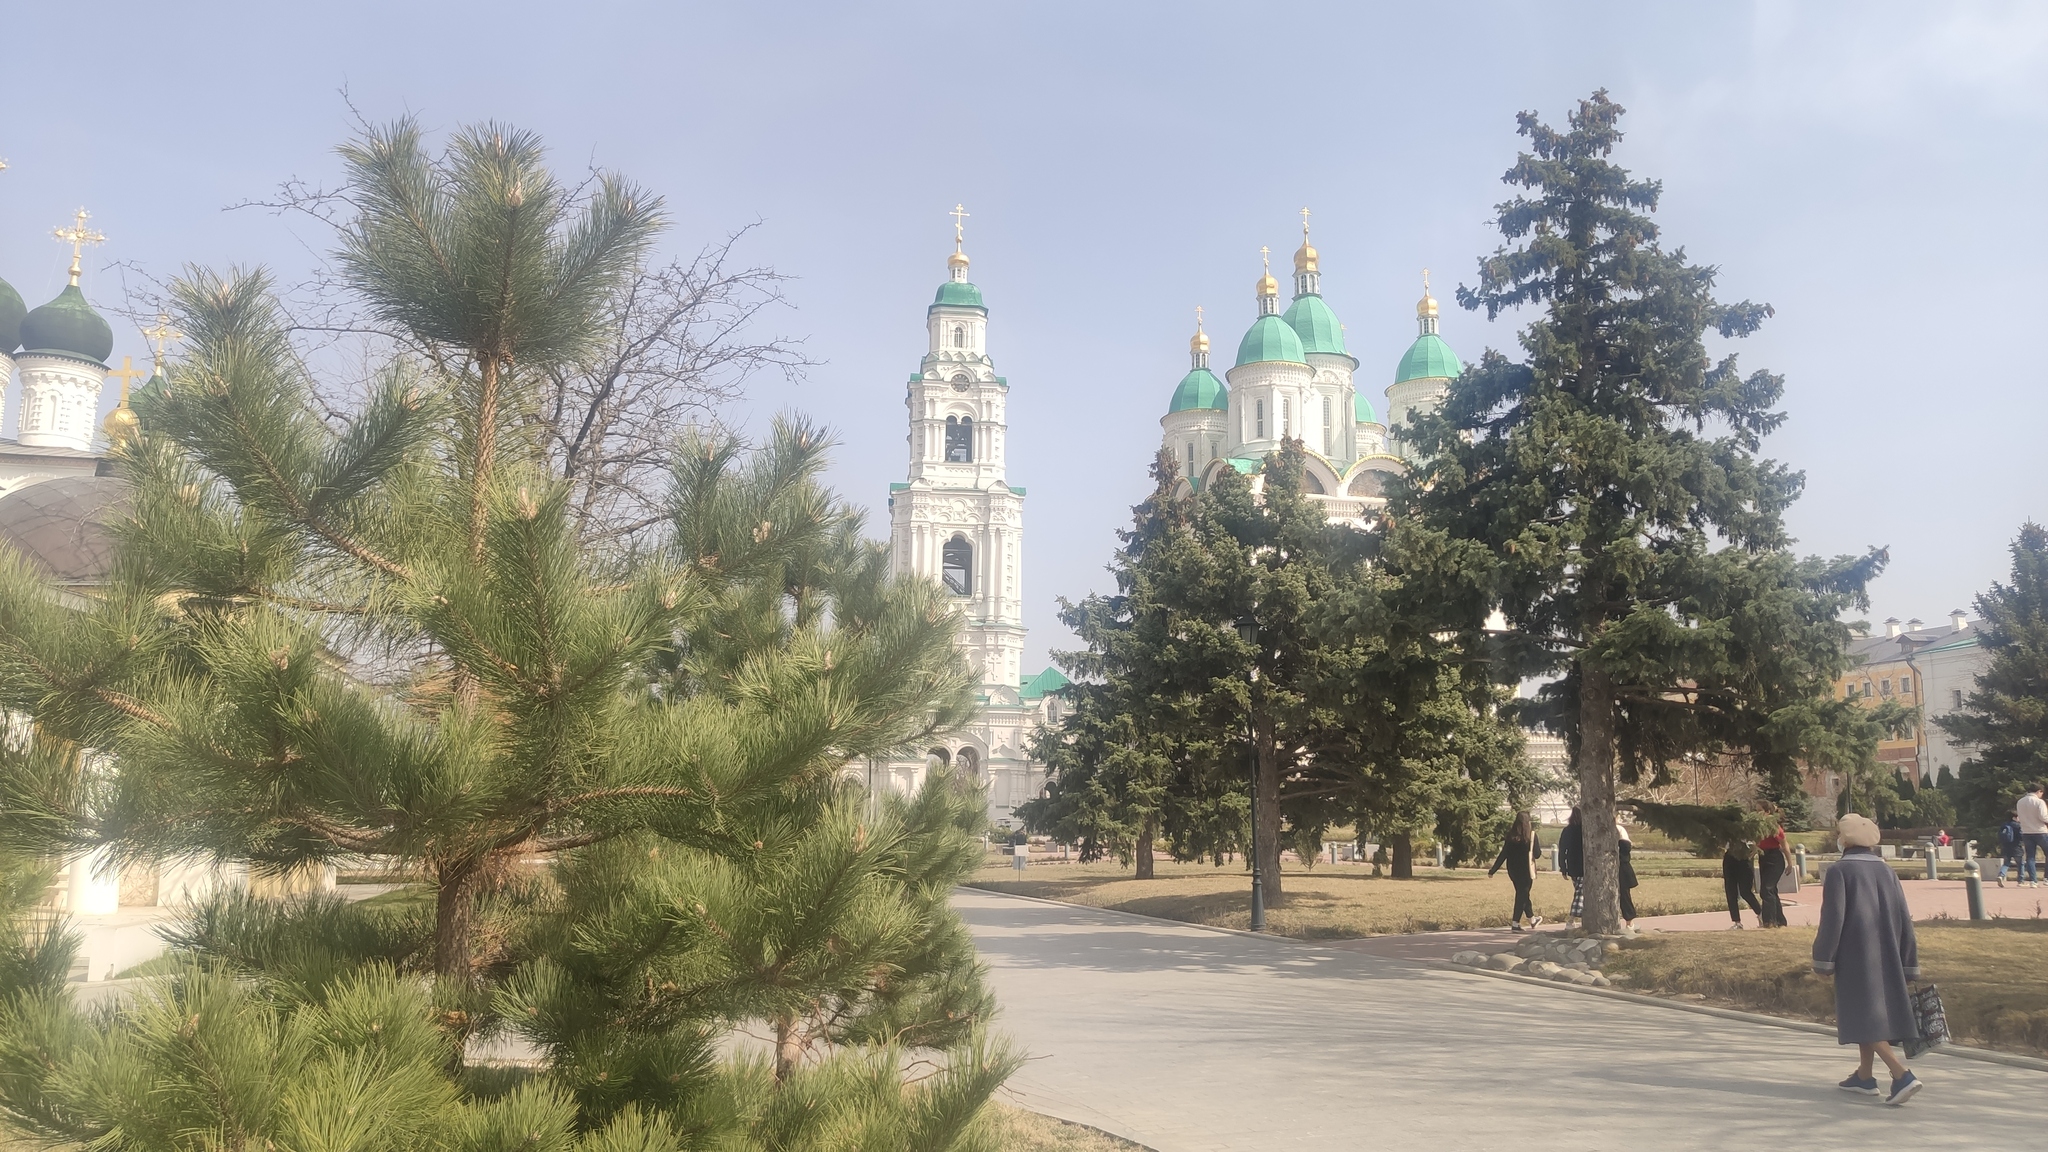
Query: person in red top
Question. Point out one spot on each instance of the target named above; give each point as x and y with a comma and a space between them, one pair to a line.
1942, 838
1771, 862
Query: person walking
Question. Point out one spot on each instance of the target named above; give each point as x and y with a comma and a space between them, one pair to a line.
1571, 860
2033, 817
1771, 862
1738, 881
2009, 847
1518, 854
1866, 944
1628, 875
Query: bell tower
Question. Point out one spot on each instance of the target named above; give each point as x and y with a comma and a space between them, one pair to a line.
956, 519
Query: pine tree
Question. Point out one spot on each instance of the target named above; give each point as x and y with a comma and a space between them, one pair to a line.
2005, 718
1606, 496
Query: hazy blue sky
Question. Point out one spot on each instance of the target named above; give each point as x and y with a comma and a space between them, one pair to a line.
1874, 171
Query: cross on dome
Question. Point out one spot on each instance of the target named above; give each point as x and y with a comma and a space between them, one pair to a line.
160, 336
78, 236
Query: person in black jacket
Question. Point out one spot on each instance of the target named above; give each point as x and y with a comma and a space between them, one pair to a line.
1738, 880
1571, 860
1628, 875
1518, 852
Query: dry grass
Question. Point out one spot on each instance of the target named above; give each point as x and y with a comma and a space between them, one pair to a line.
1990, 973
1022, 1131
1329, 902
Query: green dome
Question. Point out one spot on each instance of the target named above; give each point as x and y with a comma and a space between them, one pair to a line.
1317, 326
12, 310
1363, 408
69, 326
959, 294
1427, 359
1270, 339
1199, 389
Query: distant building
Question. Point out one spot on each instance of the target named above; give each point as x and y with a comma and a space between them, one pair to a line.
1932, 669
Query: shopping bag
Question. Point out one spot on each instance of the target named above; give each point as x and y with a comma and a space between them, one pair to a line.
1931, 1019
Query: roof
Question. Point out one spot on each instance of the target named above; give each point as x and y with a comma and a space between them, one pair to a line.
11, 312
1317, 326
1362, 408
61, 525
1882, 649
68, 326
1429, 358
959, 294
1039, 684
1270, 338
1199, 389
1245, 464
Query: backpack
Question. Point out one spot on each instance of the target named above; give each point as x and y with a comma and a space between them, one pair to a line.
2008, 835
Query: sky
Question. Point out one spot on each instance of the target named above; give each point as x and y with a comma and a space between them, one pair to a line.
1872, 170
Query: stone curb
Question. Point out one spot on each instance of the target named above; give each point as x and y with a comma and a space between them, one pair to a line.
1959, 1051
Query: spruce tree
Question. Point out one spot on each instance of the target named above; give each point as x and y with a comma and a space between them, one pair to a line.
2005, 718
1606, 495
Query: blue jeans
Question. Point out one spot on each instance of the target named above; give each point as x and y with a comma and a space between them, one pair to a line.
2028, 842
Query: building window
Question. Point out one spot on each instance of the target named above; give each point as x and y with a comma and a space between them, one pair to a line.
1329, 432
959, 335
1958, 697
959, 439
1191, 457
1285, 412
1884, 687
956, 566
1905, 685
1260, 409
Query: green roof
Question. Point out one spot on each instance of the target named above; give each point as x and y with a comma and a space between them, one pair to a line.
959, 294
1036, 686
12, 310
68, 326
1245, 464
1427, 359
1270, 338
1317, 326
1363, 408
1199, 389
898, 485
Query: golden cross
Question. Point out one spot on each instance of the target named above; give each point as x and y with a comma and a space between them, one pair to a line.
1425, 281
161, 335
1304, 223
128, 371
959, 214
1198, 317
78, 236
1266, 258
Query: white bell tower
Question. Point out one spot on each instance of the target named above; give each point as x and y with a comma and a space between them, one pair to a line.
956, 519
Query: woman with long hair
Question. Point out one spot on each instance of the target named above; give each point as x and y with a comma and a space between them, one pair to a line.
1519, 852
1571, 860
1772, 858
1628, 874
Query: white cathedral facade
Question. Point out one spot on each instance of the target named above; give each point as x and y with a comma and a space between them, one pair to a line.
956, 519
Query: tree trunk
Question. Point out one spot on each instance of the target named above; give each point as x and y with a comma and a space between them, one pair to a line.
1596, 802
789, 1046
1401, 847
454, 903
1148, 830
486, 453
1268, 784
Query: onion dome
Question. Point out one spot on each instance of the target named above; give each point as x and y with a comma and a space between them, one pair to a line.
1362, 409
1429, 358
122, 424
60, 525
1305, 256
958, 294
1317, 326
1270, 338
1199, 389
1425, 307
12, 312
1267, 286
67, 326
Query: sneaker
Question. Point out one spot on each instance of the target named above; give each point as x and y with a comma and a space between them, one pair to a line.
2001, 881
1856, 1084
1535, 921
1735, 927
1902, 1088
1514, 927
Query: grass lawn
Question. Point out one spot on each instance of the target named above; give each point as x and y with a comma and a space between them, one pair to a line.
1990, 972
1328, 902
1022, 1131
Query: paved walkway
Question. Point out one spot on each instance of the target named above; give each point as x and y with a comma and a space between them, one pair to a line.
1187, 1039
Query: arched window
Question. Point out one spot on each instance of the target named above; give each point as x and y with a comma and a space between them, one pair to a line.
1260, 421
959, 335
956, 566
969, 763
959, 439
1191, 458
1285, 412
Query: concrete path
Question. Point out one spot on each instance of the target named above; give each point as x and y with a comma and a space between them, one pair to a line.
1185, 1038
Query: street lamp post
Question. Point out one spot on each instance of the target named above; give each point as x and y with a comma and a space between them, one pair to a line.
1248, 631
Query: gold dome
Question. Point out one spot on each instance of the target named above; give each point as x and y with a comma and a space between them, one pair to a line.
1268, 286
957, 260
122, 425
1305, 256
1199, 342
1425, 307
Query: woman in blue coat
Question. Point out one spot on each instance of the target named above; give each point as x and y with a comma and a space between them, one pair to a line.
1866, 943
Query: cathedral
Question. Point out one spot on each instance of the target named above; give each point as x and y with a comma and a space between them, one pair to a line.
957, 520
1293, 377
